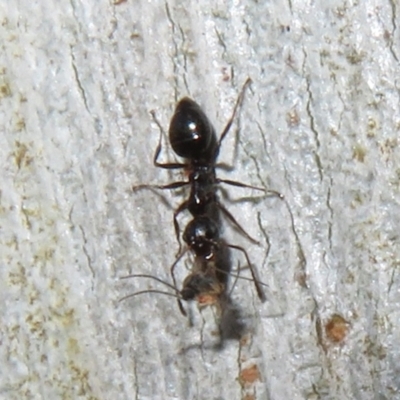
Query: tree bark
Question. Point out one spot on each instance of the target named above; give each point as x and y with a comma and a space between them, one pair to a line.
319, 124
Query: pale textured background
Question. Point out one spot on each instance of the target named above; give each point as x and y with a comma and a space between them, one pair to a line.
320, 125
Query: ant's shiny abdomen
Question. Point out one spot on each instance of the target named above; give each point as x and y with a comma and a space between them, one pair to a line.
191, 134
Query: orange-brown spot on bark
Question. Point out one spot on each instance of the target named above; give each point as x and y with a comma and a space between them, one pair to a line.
249, 375
336, 328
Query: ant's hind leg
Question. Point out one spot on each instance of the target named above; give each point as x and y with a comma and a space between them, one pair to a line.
173, 185
237, 105
158, 149
234, 221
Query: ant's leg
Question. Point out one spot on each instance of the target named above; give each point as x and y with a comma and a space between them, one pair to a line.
244, 185
180, 305
167, 165
237, 105
238, 184
236, 274
173, 185
233, 220
182, 207
236, 279
158, 149
260, 292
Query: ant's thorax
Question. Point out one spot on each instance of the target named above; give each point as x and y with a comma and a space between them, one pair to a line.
202, 180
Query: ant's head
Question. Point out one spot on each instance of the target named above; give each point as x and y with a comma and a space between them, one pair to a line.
202, 287
201, 235
191, 134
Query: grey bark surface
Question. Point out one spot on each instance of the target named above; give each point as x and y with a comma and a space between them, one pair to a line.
320, 124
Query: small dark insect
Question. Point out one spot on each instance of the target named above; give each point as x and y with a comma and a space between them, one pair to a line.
193, 138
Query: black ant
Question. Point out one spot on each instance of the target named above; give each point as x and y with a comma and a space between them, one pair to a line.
193, 138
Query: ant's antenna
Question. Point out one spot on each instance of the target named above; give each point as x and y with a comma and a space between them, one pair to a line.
148, 291
150, 277
177, 295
